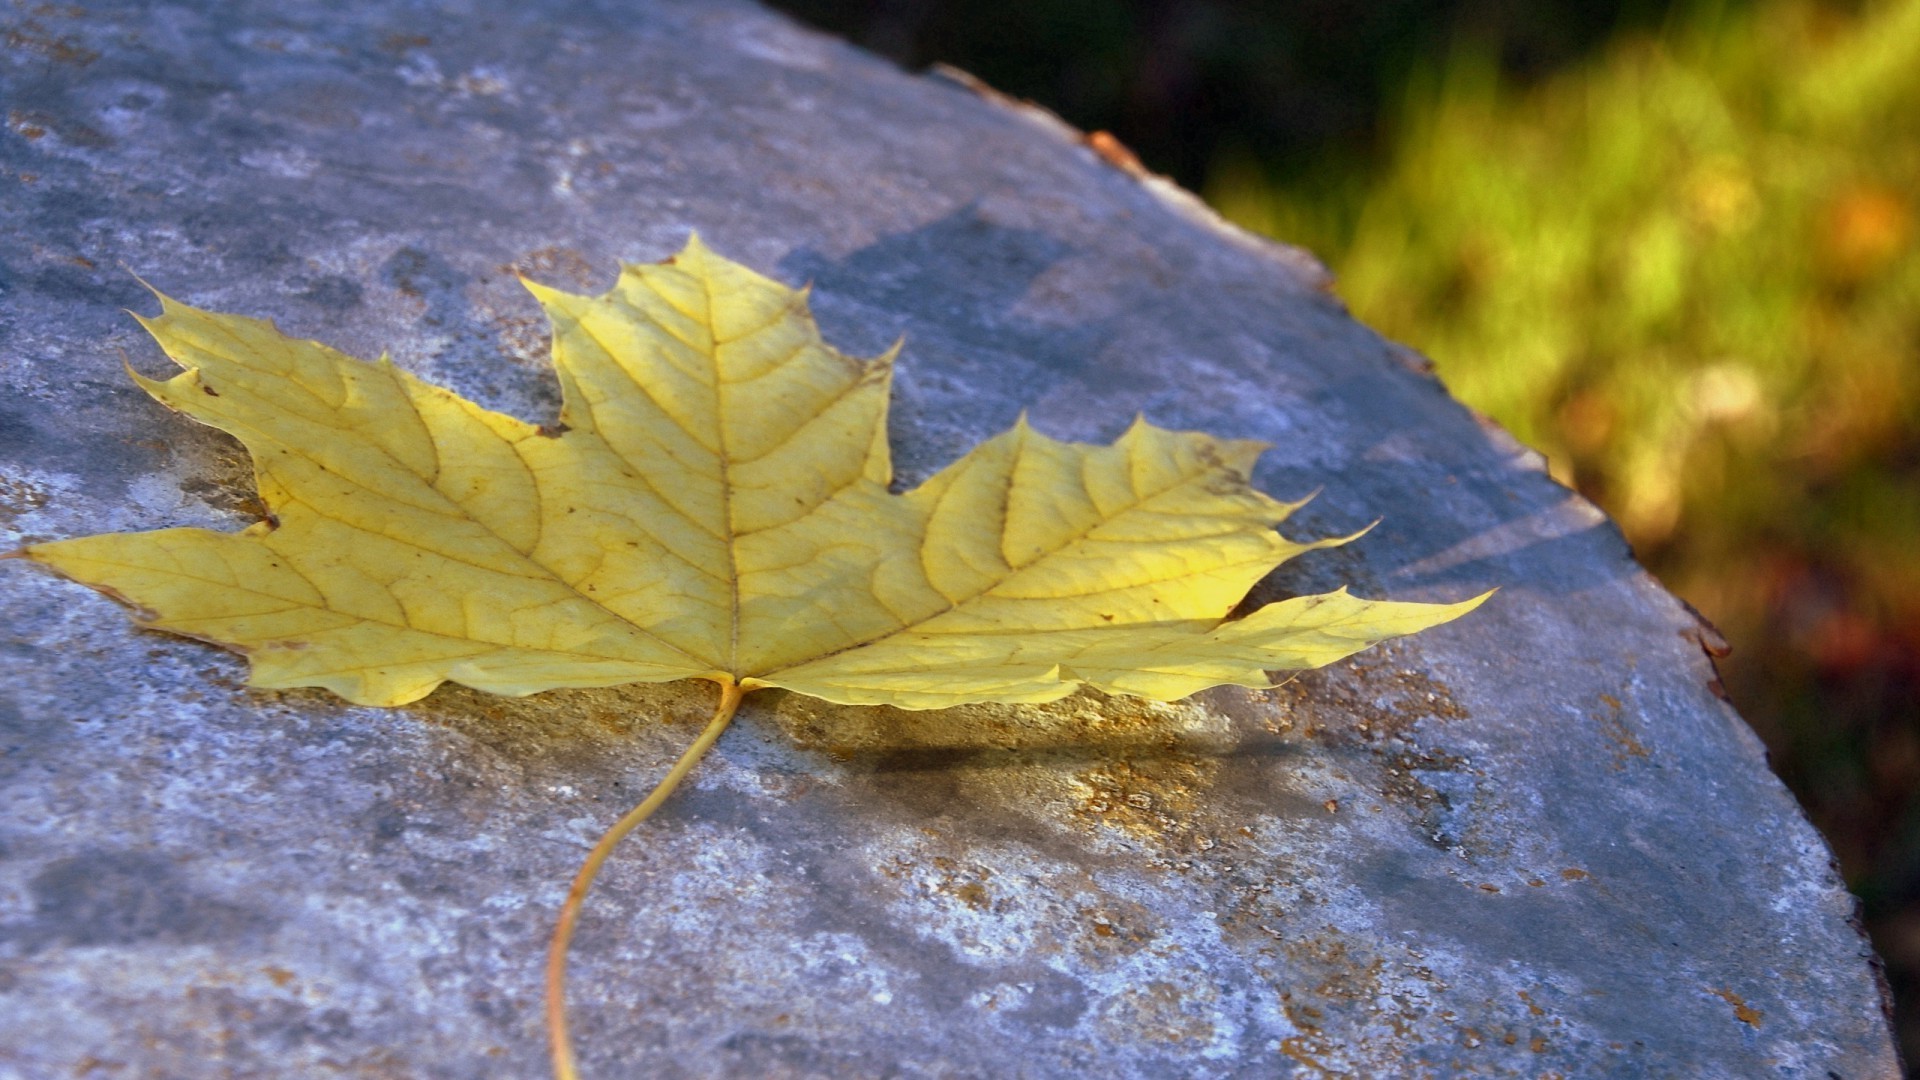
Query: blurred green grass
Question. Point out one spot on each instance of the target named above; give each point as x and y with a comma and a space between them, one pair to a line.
1686, 269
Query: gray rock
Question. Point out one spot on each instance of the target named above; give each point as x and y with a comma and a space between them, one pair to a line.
1533, 842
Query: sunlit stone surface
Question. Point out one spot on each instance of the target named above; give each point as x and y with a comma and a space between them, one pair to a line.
1533, 842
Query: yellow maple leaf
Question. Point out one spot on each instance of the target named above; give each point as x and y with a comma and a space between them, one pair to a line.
714, 505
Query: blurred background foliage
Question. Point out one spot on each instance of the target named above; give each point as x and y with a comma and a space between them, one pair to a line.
1673, 246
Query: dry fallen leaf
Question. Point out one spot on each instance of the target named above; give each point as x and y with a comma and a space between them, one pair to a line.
714, 505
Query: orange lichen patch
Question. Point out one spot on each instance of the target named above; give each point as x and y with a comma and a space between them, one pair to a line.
1096, 762
1373, 699
1161, 1011
1342, 982
1088, 724
1396, 713
20, 125
964, 880
974, 894
1742, 1012
19, 497
281, 976
1361, 1009
1328, 976
399, 43
1308, 1051
1614, 726
1108, 761
563, 724
554, 264
36, 125
60, 50
1108, 927
1574, 874
524, 337
1150, 799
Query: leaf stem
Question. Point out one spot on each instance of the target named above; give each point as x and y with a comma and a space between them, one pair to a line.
557, 1037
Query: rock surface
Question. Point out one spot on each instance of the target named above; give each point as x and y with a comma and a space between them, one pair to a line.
1533, 842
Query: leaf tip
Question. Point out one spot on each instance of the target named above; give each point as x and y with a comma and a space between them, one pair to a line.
144, 283
694, 248
169, 307
1288, 506
1332, 541
547, 295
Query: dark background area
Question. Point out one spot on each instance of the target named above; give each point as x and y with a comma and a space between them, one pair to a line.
1310, 98
1299, 87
